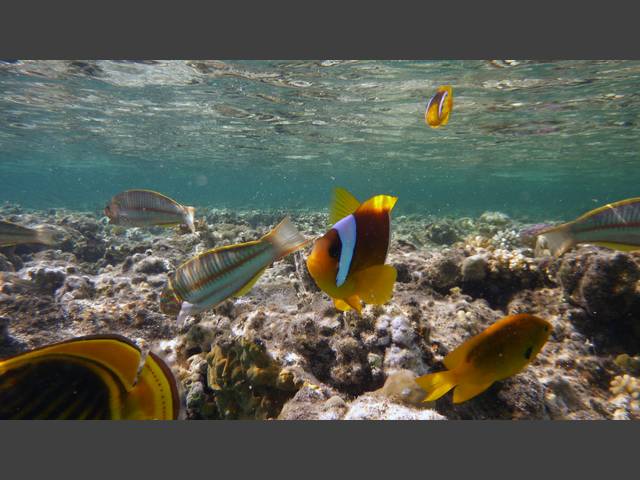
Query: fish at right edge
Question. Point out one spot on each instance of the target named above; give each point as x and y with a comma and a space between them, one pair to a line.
615, 225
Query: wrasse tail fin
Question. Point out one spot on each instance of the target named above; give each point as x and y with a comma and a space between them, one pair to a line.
375, 284
557, 240
186, 310
46, 236
244, 290
466, 391
436, 384
286, 238
343, 204
189, 217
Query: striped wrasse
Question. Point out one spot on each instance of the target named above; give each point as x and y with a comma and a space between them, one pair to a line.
12, 234
141, 208
99, 377
615, 226
223, 272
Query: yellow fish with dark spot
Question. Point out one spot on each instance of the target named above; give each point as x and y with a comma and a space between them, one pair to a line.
500, 351
439, 107
347, 263
100, 377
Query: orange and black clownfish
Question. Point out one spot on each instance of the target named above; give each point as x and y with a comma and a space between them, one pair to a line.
347, 263
439, 107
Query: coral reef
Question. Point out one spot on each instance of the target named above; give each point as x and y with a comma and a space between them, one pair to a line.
284, 352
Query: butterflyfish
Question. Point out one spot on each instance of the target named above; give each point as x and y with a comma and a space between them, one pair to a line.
99, 377
500, 351
615, 225
12, 234
143, 208
348, 262
220, 273
439, 107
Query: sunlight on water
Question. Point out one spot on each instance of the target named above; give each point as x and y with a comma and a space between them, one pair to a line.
540, 140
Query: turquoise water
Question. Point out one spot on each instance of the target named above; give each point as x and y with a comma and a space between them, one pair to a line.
537, 140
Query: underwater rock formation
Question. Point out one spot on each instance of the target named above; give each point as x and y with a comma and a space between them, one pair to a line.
283, 350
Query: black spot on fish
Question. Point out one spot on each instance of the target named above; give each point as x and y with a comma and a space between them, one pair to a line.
527, 353
335, 249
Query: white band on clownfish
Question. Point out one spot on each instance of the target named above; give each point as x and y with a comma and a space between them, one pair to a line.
442, 104
346, 229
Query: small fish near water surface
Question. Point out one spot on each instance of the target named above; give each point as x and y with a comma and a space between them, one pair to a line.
220, 273
12, 234
500, 351
439, 107
615, 225
143, 208
348, 262
99, 377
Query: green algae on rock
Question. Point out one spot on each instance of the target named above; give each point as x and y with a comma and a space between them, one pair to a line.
246, 382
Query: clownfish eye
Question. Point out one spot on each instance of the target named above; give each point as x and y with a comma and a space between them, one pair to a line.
335, 248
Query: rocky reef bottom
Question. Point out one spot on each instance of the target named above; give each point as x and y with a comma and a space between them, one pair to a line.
284, 352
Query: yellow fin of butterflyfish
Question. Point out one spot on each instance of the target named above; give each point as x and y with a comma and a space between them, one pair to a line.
342, 205
118, 354
466, 391
155, 396
244, 290
375, 284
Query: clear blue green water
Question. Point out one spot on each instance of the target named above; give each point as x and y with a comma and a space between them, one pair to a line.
536, 140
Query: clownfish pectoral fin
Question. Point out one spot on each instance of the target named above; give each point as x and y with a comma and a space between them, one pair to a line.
375, 284
341, 305
343, 204
378, 204
346, 304
466, 391
244, 290
436, 384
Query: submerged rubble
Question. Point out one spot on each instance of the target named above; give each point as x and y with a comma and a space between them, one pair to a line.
284, 352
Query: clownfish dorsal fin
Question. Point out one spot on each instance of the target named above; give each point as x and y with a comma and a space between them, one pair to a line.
342, 205
379, 204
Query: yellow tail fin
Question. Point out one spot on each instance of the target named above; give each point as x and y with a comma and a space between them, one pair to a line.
436, 384
375, 284
466, 391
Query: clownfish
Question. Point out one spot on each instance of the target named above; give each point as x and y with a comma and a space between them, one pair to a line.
347, 263
439, 107
500, 351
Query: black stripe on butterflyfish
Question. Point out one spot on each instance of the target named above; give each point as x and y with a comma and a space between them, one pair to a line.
94, 377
